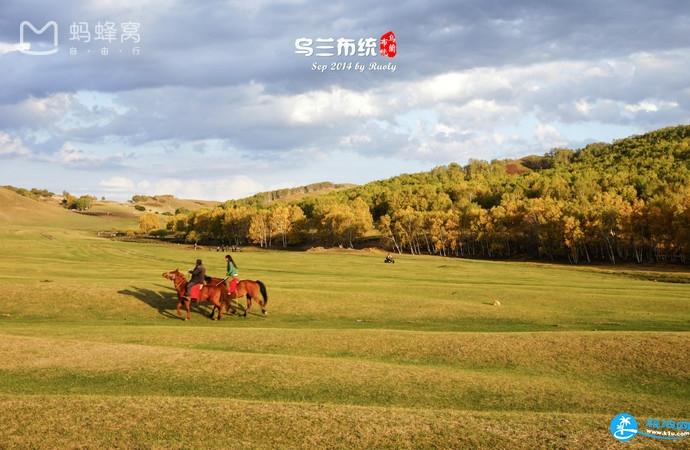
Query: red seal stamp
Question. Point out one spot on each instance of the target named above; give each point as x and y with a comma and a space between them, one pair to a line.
388, 45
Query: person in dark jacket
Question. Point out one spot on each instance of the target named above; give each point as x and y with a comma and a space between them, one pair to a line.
198, 276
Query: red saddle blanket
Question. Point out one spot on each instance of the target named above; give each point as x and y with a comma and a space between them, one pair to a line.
195, 293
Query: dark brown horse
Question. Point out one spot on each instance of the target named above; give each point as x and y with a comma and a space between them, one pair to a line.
251, 290
211, 291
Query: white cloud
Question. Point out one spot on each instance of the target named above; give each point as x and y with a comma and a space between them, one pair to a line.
12, 146
37, 113
549, 136
457, 86
221, 189
569, 90
324, 106
479, 113
650, 106
71, 156
9, 47
118, 185
608, 110
254, 121
482, 112
353, 140
583, 107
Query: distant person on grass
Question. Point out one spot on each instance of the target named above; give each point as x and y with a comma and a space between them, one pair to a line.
198, 276
231, 274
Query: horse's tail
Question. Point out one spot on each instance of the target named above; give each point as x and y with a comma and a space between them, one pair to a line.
264, 294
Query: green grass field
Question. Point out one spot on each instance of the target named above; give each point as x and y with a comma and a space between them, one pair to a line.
353, 353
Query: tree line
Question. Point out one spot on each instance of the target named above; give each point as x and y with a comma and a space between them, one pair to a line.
33, 193
68, 201
626, 201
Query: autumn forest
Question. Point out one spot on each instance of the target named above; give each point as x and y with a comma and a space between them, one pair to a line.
628, 201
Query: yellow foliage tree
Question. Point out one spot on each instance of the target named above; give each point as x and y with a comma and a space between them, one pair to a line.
149, 222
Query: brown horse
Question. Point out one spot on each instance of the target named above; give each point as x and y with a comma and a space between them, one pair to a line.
251, 290
210, 291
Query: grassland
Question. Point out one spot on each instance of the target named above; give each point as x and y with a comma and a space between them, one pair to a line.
354, 353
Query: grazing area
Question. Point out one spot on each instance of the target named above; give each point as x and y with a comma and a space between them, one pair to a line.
427, 352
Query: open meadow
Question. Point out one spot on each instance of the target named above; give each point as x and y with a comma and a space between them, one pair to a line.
353, 353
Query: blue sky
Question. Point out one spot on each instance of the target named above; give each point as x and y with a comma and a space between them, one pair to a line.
218, 105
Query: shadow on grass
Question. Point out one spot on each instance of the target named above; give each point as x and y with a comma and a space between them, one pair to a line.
164, 302
656, 277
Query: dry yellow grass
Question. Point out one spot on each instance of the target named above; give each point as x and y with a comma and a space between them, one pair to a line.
165, 422
35, 365
354, 353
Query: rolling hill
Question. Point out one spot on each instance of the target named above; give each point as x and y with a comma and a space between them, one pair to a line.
296, 193
169, 203
20, 210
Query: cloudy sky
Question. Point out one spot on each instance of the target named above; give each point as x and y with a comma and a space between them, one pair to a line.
213, 102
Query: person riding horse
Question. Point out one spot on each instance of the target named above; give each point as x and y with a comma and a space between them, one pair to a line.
231, 274
198, 276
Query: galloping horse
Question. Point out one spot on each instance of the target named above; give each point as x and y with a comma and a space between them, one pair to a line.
210, 292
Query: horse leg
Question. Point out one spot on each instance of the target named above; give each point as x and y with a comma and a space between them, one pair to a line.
231, 307
259, 297
249, 305
179, 305
188, 305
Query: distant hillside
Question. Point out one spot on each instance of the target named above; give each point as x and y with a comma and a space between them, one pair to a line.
293, 194
21, 209
24, 210
169, 203
36, 194
649, 163
36, 207
628, 200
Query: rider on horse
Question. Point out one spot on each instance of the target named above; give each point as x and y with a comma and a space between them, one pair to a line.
231, 274
198, 276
